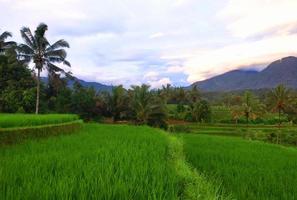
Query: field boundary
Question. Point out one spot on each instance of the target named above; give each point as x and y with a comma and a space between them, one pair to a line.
16, 135
194, 185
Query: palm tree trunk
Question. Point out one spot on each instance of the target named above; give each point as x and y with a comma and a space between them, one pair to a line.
279, 120
37, 92
279, 126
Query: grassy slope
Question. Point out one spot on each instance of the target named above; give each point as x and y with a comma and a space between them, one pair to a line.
248, 170
102, 162
25, 120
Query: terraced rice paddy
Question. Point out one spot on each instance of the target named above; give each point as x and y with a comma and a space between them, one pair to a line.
246, 169
100, 162
27, 120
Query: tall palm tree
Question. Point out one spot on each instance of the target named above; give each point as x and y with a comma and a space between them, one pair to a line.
116, 102
193, 95
279, 99
3, 43
251, 107
42, 53
141, 102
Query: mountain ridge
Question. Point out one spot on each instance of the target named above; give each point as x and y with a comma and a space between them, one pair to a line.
282, 71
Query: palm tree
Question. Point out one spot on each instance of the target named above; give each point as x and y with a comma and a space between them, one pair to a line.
166, 93
236, 112
141, 101
279, 99
193, 95
251, 107
42, 53
3, 44
116, 102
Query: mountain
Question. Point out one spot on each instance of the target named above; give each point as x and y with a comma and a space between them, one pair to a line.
283, 71
97, 86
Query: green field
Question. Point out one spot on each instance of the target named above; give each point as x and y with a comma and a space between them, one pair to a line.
27, 120
100, 162
247, 169
137, 162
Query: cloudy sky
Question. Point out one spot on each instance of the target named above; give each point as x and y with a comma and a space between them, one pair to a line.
160, 41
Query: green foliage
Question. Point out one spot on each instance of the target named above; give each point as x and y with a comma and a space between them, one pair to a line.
158, 114
83, 102
141, 102
248, 170
17, 135
43, 54
116, 102
199, 111
28, 120
17, 91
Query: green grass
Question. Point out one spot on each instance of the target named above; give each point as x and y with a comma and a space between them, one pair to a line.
247, 169
101, 162
27, 120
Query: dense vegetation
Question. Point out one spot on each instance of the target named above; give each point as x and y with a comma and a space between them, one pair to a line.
27, 120
126, 162
248, 170
101, 162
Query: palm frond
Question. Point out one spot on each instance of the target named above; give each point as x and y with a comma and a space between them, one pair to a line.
66, 62
58, 44
40, 30
28, 37
25, 49
5, 35
53, 68
56, 53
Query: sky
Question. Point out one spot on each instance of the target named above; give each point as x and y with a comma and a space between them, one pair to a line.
157, 42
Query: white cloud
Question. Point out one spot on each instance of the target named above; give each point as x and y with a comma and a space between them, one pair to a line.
153, 41
252, 17
159, 83
157, 35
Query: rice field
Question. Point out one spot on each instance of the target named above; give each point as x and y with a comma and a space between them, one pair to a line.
100, 162
27, 120
247, 169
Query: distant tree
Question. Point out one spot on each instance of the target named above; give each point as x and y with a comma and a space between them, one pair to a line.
193, 95
16, 84
280, 99
252, 108
166, 93
158, 113
4, 45
236, 112
199, 111
42, 53
117, 102
83, 101
180, 98
141, 98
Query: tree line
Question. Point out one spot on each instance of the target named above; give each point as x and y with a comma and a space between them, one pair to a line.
23, 90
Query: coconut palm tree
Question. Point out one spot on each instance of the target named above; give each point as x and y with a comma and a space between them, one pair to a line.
279, 99
251, 106
116, 102
3, 43
141, 101
42, 53
236, 112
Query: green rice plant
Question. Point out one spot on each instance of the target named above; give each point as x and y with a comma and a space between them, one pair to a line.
247, 169
101, 162
25, 120
10, 136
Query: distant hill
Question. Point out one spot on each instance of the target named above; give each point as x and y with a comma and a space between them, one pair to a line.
97, 86
283, 71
